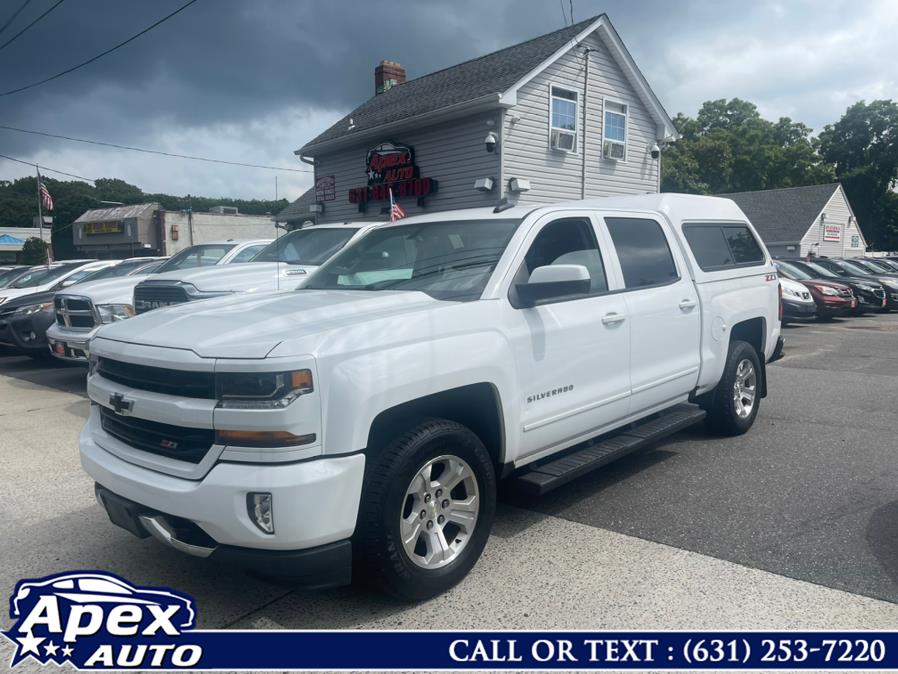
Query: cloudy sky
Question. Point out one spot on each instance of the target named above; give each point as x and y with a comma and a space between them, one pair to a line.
252, 80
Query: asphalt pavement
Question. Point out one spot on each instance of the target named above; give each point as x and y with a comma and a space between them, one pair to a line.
792, 525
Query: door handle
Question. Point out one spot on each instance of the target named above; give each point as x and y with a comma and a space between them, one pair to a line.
687, 304
613, 318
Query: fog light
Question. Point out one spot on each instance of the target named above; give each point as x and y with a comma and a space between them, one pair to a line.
260, 509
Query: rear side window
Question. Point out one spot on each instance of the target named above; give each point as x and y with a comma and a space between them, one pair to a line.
643, 252
717, 247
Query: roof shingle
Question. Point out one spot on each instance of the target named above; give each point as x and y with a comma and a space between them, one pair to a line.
468, 81
783, 215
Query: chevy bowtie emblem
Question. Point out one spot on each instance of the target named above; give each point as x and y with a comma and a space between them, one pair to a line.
119, 404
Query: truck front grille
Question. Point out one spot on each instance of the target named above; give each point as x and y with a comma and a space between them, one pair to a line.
149, 296
880, 293
158, 379
174, 442
74, 312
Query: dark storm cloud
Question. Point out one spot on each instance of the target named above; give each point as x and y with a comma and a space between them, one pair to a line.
244, 64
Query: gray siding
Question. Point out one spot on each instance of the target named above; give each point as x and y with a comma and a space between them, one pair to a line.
451, 152
837, 212
556, 175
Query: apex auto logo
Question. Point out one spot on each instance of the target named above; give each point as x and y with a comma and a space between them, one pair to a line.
94, 619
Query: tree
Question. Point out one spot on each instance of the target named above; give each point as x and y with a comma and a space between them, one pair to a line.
863, 147
34, 251
729, 147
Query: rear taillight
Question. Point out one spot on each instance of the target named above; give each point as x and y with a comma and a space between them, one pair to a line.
780, 286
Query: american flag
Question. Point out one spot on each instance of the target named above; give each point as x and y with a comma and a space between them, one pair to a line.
396, 211
46, 199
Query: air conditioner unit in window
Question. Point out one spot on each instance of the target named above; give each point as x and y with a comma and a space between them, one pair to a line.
563, 140
614, 150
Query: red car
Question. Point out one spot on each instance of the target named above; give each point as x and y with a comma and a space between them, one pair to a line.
832, 299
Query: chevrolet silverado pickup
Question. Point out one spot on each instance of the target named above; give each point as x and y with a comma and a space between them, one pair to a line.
357, 426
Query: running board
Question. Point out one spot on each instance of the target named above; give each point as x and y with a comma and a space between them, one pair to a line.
544, 476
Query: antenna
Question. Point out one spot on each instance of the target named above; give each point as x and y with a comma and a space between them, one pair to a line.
277, 238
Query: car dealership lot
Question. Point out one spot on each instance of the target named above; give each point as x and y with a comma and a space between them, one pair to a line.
793, 525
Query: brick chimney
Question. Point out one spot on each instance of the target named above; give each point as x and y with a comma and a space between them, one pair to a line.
387, 75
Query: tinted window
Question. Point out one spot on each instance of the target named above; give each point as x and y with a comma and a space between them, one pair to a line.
568, 241
247, 254
709, 246
643, 252
204, 255
41, 275
743, 245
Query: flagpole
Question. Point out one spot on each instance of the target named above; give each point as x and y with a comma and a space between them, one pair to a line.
40, 212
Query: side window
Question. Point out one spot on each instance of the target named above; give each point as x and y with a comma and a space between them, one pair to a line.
246, 254
614, 131
722, 246
643, 252
567, 241
563, 119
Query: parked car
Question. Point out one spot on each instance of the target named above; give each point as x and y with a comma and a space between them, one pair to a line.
884, 263
849, 268
282, 265
44, 277
832, 299
367, 415
9, 274
798, 303
31, 316
870, 293
78, 315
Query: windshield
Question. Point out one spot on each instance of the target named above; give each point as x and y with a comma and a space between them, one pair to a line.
815, 269
41, 275
310, 246
446, 260
876, 266
888, 265
115, 271
11, 275
203, 255
790, 271
856, 268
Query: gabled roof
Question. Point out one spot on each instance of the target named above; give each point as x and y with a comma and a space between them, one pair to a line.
490, 80
116, 213
784, 215
299, 209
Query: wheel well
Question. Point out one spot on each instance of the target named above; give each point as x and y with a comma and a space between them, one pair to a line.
751, 331
475, 406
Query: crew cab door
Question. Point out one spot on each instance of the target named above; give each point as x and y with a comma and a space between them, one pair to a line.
571, 353
663, 308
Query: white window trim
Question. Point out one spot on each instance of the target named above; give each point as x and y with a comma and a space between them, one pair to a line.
576, 150
615, 101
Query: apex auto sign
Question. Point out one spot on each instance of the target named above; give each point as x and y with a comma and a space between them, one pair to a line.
391, 166
832, 233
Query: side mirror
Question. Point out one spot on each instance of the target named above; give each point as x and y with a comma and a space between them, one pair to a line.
553, 281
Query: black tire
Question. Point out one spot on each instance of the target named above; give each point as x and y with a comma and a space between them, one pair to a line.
723, 417
378, 553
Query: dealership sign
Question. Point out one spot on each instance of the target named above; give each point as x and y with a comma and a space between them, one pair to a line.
391, 167
832, 233
92, 228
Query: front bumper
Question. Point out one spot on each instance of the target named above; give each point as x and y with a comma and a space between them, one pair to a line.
328, 565
69, 346
835, 306
30, 333
315, 502
799, 309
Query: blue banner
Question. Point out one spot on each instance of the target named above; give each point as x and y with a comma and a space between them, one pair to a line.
95, 620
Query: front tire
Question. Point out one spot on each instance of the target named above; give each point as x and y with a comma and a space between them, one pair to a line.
735, 402
427, 510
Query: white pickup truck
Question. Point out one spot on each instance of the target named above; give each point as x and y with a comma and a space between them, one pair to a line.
283, 265
367, 416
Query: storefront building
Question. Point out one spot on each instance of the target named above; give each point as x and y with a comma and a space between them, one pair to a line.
567, 115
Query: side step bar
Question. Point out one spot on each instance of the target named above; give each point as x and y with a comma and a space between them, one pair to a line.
544, 476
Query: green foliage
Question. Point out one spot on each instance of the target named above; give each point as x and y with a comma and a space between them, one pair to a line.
18, 204
34, 251
729, 147
863, 147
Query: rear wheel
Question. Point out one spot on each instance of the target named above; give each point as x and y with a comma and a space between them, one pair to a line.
734, 405
427, 510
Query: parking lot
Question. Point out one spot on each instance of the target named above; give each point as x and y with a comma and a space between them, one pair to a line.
793, 525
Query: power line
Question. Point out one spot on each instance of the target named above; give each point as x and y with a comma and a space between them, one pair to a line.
14, 15
100, 55
16, 36
158, 152
47, 168
563, 14
571, 4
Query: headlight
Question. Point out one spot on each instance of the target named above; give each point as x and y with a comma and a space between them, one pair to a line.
790, 291
30, 309
109, 313
826, 290
866, 289
261, 390
889, 283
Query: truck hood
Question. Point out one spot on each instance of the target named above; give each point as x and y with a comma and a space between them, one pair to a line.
109, 291
253, 325
245, 277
